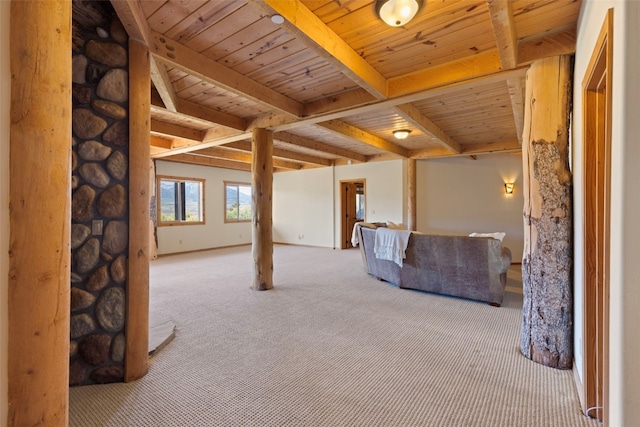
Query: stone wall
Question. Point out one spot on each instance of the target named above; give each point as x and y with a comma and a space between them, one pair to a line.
99, 232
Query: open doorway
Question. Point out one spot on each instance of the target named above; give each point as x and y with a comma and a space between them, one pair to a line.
352, 196
597, 137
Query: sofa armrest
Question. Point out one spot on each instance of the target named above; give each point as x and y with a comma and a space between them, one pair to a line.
506, 258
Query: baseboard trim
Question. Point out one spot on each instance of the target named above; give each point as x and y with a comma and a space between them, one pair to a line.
203, 250
243, 244
305, 246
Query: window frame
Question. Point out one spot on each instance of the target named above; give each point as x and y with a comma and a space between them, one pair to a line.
160, 222
238, 184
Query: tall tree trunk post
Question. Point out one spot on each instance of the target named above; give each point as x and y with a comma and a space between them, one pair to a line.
411, 195
40, 214
547, 258
137, 329
261, 199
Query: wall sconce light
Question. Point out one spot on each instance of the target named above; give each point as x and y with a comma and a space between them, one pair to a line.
397, 13
508, 187
401, 133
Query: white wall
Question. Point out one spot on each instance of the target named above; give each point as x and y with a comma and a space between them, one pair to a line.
215, 232
624, 335
385, 197
307, 202
5, 98
458, 196
624, 340
303, 206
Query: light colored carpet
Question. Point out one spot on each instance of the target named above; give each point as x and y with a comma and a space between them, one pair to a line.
328, 346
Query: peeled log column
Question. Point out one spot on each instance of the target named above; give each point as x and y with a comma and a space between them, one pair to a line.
547, 258
40, 215
411, 195
261, 198
137, 329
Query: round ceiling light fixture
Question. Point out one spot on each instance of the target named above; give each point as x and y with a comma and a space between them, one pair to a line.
397, 13
277, 19
401, 133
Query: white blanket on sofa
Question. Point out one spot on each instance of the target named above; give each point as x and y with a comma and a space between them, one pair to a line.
355, 241
391, 244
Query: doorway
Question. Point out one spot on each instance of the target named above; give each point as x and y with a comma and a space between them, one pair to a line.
596, 89
352, 196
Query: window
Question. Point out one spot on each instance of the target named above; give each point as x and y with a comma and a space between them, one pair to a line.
180, 200
359, 202
237, 202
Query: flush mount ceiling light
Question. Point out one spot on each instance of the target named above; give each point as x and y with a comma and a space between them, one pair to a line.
277, 19
397, 12
401, 133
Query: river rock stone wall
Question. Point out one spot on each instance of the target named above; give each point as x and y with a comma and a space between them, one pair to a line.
99, 214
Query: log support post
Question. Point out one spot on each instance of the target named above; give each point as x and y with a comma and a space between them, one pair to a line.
411, 195
547, 258
40, 214
261, 198
137, 329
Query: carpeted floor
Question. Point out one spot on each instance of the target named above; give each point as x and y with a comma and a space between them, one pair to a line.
328, 346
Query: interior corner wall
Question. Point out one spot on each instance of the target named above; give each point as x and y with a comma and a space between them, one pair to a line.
306, 203
5, 98
459, 196
624, 340
215, 233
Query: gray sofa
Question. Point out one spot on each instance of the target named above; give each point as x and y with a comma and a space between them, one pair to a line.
466, 267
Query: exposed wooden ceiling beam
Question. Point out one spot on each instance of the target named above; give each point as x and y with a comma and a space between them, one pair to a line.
335, 103
507, 43
187, 110
446, 74
160, 142
482, 64
217, 132
183, 58
345, 129
284, 154
163, 85
181, 149
280, 125
163, 146
133, 19
411, 114
153, 151
209, 161
561, 43
205, 113
504, 31
516, 93
474, 150
218, 163
269, 120
311, 144
135, 23
241, 156
176, 131
338, 102
308, 28
278, 122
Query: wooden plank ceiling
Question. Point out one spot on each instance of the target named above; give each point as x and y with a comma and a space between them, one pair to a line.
333, 81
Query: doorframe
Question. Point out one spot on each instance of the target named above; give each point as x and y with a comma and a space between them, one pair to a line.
597, 108
345, 235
